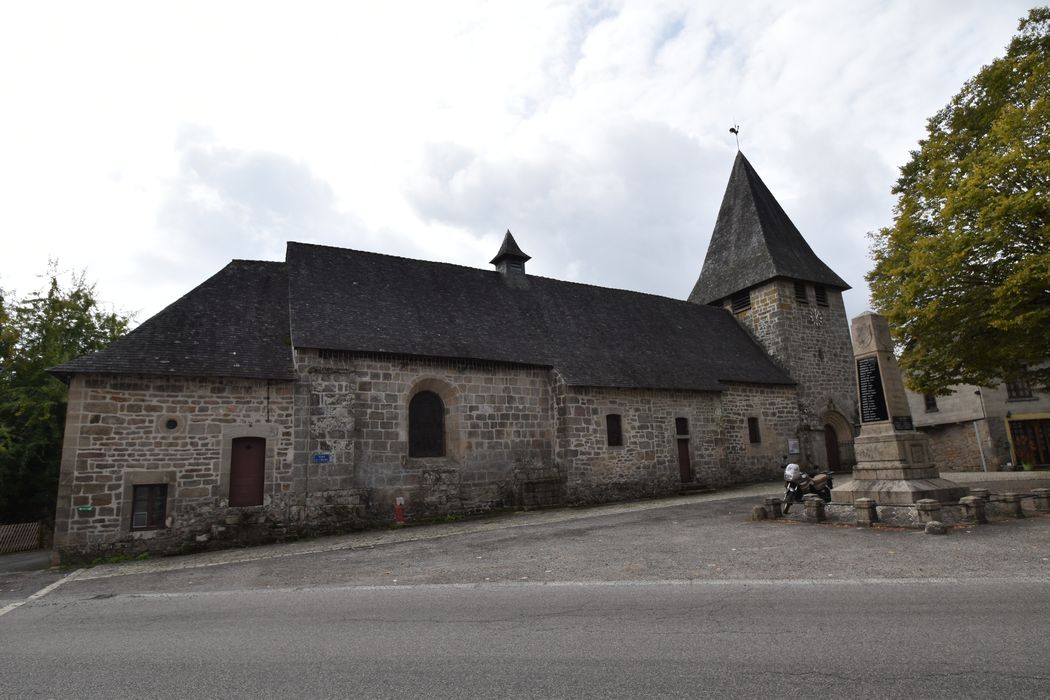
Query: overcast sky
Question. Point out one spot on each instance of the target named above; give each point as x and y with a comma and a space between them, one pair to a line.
148, 144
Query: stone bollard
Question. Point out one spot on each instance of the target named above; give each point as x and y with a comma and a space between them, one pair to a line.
935, 527
1013, 504
814, 505
759, 513
928, 509
866, 512
774, 507
973, 509
983, 494
1042, 500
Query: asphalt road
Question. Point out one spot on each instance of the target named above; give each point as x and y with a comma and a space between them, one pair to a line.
675, 599
871, 639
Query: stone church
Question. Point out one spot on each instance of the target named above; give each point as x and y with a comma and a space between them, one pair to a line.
280, 399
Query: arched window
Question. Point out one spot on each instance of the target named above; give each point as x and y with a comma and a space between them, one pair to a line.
426, 425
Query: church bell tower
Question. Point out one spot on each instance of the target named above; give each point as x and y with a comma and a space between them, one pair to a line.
760, 269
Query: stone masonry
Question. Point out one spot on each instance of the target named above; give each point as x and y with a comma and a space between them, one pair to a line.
337, 447
126, 431
812, 342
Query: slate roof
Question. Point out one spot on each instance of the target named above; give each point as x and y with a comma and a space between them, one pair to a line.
754, 241
235, 324
239, 323
365, 302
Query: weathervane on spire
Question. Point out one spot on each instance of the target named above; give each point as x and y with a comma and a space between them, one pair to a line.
735, 131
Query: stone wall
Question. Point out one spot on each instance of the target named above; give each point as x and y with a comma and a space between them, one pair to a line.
953, 447
813, 343
776, 409
646, 464
498, 432
337, 447
127, 431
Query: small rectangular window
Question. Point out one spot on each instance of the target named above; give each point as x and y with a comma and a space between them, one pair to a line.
800, 293
931, 402
753, 433
148, 505
613, 430
741, 301
1018, 390
681, 426
821, 294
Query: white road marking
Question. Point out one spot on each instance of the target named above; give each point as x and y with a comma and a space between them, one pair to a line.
41, 593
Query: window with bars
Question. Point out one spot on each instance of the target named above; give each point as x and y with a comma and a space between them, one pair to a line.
1018, 390
821, 294
741, 301
426, 425
613, 430
931, 403
800, 293
149, 504
753, 432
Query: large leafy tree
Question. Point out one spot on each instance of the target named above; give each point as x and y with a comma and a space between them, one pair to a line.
37, 332
963, 274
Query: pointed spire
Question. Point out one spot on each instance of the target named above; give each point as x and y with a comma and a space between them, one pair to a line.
510, 256
755, 241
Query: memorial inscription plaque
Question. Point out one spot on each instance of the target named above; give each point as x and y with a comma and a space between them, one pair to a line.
872, 398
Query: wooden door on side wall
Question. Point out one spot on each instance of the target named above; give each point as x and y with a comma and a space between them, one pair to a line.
684, 466
247, 471
831, 446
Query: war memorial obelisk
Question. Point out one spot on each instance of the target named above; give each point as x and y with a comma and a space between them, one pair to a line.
893, 459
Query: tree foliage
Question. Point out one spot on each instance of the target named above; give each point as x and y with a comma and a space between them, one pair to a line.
37, 332
963, 274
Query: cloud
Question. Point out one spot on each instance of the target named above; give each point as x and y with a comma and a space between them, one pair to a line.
230, 203
594, 217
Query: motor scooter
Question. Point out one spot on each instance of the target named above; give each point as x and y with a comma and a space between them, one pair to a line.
802, 483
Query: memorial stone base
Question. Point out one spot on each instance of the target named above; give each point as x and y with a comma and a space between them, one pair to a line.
894, 468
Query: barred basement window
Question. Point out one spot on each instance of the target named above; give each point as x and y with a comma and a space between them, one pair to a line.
931, 402
821, 294
753, 433
613, 430
1018, 390
426, 425
681, 426
741, 300
148, 505
800, 293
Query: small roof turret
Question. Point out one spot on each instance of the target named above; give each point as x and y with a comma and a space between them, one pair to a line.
510, 256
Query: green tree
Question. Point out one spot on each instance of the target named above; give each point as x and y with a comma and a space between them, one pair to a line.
37, 332
963, 274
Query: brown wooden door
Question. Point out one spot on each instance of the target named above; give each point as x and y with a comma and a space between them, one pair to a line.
831, 445
1031, 440
684, 467
247, 471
